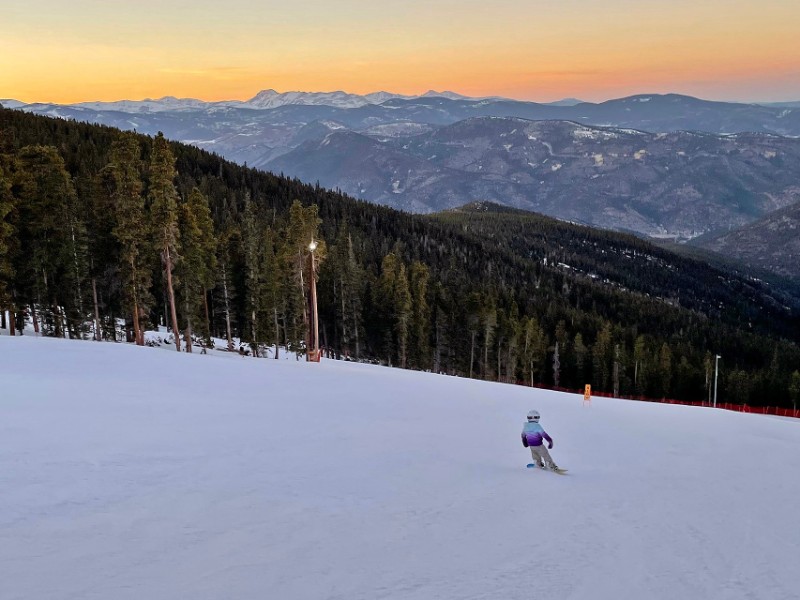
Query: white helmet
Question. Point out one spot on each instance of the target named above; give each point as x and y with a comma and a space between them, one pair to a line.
533, 416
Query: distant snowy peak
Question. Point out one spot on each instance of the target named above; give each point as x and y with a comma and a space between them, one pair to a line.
165, 104
446, 94
264, 100
565, 102
11, 103
273, 99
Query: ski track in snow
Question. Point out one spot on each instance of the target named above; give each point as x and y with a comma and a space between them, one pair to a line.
131, 473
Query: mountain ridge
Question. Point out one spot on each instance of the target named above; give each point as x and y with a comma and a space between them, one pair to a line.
678, 185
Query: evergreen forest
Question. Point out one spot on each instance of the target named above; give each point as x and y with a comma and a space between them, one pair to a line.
98, 227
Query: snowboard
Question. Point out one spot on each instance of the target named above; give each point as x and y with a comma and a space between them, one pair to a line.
533, 466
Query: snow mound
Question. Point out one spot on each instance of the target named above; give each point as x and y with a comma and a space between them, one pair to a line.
131, 473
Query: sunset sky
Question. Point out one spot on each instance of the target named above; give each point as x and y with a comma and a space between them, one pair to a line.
57, 51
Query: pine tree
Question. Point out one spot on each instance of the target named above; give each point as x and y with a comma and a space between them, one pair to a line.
601, 357
474, 310
402, 306
641, 365
665, 369
556, 367
251, 248
534, 350
54, 261
344, 280
794, 388
420, 315
395, 301
303, 227
513, 333
269, 273
580, 351
489, 323
164, 218
6, 235
225, 284
353, 285
131, 230
198, 259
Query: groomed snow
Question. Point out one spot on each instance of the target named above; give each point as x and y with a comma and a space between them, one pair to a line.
133, 473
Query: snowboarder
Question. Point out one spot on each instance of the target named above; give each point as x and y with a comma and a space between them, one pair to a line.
533, 437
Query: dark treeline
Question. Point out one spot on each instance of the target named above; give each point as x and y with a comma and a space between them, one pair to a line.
98, 225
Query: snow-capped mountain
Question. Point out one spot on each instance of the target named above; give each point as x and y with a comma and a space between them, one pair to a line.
281, 131
11, 103
165, 104
266, 99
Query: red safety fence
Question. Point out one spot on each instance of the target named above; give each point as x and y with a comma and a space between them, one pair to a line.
761, 410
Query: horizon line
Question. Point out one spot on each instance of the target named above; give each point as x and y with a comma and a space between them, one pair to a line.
430, 91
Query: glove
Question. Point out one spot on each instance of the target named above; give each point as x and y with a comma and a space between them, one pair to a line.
524, 441
550, 446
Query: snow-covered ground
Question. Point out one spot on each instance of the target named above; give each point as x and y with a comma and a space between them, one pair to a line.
128, 473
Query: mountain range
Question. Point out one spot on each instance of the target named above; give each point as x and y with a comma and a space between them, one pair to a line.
772, 242
667, 166
677, 185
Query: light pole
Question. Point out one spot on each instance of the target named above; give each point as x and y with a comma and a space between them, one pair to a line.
716, 376
313, 351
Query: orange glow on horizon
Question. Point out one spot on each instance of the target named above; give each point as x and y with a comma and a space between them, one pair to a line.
722, 49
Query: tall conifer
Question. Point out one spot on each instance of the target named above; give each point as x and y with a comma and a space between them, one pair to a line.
131, 230
164, 218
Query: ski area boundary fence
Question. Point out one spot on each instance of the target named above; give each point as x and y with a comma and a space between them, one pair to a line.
760, 410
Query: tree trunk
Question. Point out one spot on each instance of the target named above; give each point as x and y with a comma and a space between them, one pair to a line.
136, 327
59, 330
205, 308
355, 334
187, 334
499, 354
138, 335
35, 319
472, 353
345, 341
2, 318
486, 358
171, 295
227, 307
253, 333
437, 353
277, 332
97, 334
12, 322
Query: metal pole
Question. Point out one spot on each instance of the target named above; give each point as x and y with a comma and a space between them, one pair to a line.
716, 376
314, 307
313, 353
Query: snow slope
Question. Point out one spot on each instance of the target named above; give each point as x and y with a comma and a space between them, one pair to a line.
130, 473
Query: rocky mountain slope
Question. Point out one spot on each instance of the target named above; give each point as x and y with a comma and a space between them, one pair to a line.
677, 185
438, 150
772, 242
268, 124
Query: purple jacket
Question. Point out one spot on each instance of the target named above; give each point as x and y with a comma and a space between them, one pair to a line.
534, 435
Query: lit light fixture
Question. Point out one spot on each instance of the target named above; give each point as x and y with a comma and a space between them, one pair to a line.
312, 246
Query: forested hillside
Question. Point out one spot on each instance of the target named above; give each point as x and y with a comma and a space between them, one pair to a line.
99, 225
